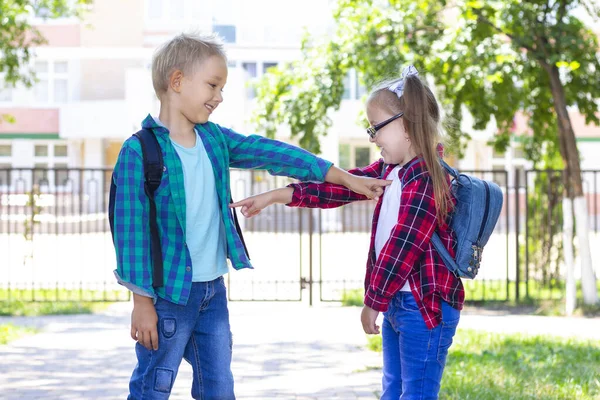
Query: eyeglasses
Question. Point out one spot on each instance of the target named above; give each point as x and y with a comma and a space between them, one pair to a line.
372, 130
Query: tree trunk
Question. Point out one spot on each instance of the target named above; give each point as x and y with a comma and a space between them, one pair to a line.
573, 185
571, 293
588, 278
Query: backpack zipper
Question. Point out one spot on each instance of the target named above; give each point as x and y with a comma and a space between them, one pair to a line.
487, 208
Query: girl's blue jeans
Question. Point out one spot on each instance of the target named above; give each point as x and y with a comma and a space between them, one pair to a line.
198, 332
413, 355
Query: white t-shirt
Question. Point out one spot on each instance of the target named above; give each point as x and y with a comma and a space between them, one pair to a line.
388, 216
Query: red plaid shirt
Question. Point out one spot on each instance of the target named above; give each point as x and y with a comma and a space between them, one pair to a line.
408, 253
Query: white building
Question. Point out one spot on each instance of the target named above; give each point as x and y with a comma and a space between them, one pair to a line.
94, 84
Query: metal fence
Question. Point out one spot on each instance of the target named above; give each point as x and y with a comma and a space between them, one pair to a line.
55, 242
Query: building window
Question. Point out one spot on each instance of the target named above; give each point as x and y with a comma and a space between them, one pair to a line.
346, 95
61, 174
360, 88
520, 171
519, 152
41, 11
52, 84
499, 177
267, 66
362, 156
40, 174
41, 150
250, 76
344, 153
354, 155
5, 174
60, 150
226, 32
5, 150
498, 154
60, 91
40, 90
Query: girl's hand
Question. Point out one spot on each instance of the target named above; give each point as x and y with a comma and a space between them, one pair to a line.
370, 187
368, 318
252, 206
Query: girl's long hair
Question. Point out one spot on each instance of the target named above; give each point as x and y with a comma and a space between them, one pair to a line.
422, 124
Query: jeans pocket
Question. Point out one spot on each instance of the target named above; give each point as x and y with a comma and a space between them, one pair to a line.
408, 302
448, 329
168, 327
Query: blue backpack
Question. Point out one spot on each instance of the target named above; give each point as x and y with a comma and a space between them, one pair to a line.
478, 206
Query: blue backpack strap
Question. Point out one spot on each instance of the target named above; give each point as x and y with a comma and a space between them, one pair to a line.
453, 172
443, 252
153, 171
435, 239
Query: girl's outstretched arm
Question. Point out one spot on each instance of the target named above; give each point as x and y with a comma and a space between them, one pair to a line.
253, 205
343, 188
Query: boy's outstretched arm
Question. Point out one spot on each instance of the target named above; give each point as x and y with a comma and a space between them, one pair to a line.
369, 187
257, 152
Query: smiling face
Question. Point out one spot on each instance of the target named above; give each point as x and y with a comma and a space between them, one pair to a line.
392, 139
201, 92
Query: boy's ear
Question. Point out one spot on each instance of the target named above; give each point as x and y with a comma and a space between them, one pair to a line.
175, 80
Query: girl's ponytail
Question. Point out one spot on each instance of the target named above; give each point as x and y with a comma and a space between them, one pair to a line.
421, 121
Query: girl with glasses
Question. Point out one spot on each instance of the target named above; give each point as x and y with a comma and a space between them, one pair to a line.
406, 279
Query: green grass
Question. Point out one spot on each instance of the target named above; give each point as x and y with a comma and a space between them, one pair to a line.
480, 290
27, 302
492, 295
353, 297
9, 332
63, 295
32, 309
492, 366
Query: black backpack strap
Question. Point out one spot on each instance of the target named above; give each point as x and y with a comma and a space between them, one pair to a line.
111, 206
239, 230
153, 171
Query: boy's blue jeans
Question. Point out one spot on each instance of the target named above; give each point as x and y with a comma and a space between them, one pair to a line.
413, 355
199, 332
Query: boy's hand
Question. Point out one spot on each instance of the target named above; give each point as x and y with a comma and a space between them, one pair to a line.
368, 316
370, 187
144, 322
252, 206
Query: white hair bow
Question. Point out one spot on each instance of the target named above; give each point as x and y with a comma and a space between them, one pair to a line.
398, 87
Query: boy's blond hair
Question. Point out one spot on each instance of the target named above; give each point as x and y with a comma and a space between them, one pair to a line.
184, 52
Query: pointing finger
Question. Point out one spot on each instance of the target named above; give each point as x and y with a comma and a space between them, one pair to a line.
238, 203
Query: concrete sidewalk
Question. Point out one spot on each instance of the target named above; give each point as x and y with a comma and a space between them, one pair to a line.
281, 351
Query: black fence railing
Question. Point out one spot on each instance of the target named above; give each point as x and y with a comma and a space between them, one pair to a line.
55, 241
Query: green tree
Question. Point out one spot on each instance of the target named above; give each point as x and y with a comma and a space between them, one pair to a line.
492, 59
18, 36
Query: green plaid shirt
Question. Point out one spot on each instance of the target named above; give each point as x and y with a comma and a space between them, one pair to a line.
225, 149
